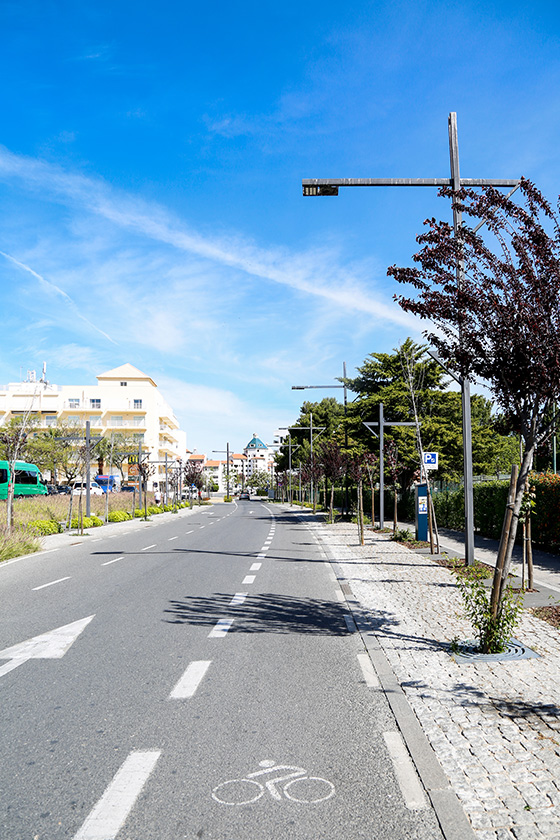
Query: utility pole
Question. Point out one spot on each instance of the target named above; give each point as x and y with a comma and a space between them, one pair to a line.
330, 187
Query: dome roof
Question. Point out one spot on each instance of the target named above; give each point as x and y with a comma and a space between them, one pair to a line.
256, 443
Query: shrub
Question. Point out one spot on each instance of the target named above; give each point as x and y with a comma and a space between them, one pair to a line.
119, 516
45, 527
89, 522
154, 509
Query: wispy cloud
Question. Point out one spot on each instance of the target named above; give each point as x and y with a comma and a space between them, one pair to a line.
52, 288
315, 272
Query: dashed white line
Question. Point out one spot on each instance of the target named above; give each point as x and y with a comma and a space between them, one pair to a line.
248, 579
221, 628
52, 583
405, 772
191, 679
99, 539
368, 670
105, 820
238, 599
172, 538
255, 567
149, 546
190, 532
108, 563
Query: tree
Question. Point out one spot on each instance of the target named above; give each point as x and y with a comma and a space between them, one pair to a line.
259, 482
193, 475
387, 378
14, 442
328, 413
333, 460
500, 323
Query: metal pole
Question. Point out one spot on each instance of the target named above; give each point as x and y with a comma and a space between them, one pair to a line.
346, 500
139, 475
227, 468
465, 384
166, 480
88, 469
381, 470
290, 466
311, 442
554, 440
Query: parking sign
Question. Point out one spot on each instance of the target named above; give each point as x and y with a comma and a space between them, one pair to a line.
431, 460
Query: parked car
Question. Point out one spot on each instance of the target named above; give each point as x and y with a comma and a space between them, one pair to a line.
244, 495
80, 487
127, 488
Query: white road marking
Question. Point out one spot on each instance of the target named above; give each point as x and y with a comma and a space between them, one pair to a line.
190, 532
350, 623
99, 539
405, 772
340, 594
264, 548
108, 563
51, 645
203, 526
149, 546
190, 680
221, 628
238, 599
172, 538
368, 670
105, 820
255, 567
248, 579
261, 556
251, 511
52, 583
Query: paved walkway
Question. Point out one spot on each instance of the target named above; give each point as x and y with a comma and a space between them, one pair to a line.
495, 727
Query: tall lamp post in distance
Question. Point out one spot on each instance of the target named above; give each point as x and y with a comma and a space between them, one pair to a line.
221, 451
330, 186
344, 387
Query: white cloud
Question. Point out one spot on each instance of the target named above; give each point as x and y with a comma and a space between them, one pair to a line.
315, 272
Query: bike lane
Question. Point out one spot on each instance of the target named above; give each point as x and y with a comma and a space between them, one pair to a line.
286, 734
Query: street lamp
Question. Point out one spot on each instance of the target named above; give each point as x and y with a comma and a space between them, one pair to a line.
221, 451
330, 187
344, 387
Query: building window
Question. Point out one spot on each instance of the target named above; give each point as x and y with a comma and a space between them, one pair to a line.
123, 384
50, 420
138, 421
73, 403
95, 420
139, 438
137, 403
73, 420
116, 420
95, 403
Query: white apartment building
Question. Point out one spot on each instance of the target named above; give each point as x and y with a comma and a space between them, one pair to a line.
124, 401
259, 456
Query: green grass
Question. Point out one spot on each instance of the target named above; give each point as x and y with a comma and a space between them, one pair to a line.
17, 543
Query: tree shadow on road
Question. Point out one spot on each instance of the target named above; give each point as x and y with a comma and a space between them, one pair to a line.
264, 613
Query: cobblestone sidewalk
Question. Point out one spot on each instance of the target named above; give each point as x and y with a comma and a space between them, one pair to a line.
495, 727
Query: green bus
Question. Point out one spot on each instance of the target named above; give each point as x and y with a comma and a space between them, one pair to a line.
28, 480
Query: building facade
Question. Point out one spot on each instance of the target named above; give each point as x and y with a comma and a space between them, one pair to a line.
125, 401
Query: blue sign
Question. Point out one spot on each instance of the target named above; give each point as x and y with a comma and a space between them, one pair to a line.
431, 460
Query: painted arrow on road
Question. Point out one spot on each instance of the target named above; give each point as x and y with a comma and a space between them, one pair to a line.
52, 645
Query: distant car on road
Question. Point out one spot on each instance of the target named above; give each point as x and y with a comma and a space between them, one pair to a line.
80, 487
244, 495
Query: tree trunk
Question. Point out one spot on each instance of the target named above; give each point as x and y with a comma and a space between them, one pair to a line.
373, 507
530, 579
395, 516
331, 507
361, 512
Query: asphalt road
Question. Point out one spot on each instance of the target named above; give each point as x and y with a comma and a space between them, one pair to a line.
209, 684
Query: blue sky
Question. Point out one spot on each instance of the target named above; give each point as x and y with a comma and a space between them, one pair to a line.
151, 158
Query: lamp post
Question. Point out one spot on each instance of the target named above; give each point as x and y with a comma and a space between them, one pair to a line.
344, 387
330, 187
227, 465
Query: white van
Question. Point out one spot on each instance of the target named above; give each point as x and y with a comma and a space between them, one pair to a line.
80, 488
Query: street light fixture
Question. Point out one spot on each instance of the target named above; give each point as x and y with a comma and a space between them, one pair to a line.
330, 186
343, 386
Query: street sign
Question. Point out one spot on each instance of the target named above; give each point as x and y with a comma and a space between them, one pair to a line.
431, 460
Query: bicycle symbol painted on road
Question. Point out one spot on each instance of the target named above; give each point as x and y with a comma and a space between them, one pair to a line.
295, 785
